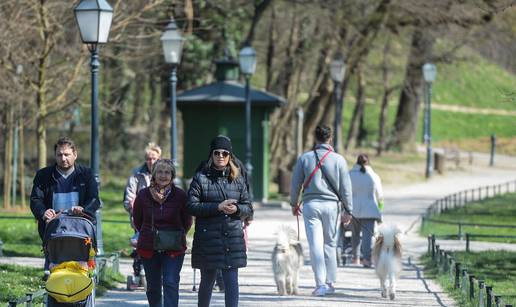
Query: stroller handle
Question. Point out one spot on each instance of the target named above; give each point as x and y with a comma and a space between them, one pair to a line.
70, 212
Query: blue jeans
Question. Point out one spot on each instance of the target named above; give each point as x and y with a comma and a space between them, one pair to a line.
363, 244
206, 287
162, 272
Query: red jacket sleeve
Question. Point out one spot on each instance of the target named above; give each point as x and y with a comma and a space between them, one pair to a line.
185, 217
138, 212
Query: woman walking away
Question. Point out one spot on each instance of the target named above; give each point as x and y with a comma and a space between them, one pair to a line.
159, 214
219, 200
367, 206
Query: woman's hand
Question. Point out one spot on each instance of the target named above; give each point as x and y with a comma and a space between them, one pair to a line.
228, 206
345, 218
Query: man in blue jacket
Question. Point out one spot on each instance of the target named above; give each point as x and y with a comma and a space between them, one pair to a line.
63, 186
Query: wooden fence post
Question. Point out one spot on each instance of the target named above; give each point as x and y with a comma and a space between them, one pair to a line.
29, 300
471, 287
489, 296
433, 247
467, 242
480, 293
457, 275
464, 283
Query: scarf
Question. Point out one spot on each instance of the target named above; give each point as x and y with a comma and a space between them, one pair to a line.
160, 194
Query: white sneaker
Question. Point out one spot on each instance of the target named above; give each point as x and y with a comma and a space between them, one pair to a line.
320, 291
330, 289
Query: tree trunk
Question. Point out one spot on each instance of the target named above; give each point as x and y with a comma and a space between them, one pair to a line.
410, 100
259, 9
381, 125
164, 113
41, 98
8, 158
359, 108
283, 150
362, 131
271, 43
385, 99
22, 162
153, 109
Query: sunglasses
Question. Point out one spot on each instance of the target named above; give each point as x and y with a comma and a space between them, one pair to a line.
222, 153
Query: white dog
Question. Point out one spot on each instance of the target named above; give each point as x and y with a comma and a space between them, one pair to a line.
387, 258
287, 259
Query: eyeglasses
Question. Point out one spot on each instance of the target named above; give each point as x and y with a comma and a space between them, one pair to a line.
222, 153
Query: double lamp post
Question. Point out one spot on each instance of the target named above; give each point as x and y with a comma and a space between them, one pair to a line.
429, 74
94, 20
337, 73
247, 61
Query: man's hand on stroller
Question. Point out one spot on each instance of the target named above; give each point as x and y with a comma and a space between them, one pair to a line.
49, 215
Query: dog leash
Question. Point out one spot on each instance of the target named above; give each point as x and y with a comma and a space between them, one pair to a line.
297, 210
338, 195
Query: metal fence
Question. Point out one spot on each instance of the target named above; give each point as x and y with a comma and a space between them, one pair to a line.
472, 289
461, 198
103, 262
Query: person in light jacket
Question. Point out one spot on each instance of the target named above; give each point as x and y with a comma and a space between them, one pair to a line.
322, 211
367, 206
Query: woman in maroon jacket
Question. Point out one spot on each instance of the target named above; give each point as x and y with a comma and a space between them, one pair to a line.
167, 202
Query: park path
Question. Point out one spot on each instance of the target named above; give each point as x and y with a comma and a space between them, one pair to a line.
356, 286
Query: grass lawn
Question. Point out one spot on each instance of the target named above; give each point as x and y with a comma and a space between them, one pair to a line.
496, 268
17, 280
500, 210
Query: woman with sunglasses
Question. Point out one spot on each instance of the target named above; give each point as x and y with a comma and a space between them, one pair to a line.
219, 199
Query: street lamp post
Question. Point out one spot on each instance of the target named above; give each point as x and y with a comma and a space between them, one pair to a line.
172, 42
247, 60
94, 20
337, 72
429, 74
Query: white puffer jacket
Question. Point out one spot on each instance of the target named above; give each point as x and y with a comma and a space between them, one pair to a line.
367, 191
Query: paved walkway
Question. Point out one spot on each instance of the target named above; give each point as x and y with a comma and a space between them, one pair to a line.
356, 286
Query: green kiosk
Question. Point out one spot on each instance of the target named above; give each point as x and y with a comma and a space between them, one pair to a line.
219, 108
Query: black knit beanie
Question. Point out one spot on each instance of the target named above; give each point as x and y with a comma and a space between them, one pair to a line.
221, 142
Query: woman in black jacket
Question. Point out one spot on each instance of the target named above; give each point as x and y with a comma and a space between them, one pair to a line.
219, 200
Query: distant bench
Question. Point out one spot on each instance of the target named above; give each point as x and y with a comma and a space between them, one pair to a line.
449, 154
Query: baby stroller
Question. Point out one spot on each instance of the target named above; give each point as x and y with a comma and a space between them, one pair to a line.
70, 245
137, 279
344, 247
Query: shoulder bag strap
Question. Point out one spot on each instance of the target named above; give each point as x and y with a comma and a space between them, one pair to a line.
317, 166
332, 187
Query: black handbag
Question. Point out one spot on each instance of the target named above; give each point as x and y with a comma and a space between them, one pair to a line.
167, 240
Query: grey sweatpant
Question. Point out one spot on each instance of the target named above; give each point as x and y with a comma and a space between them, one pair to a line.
321, 221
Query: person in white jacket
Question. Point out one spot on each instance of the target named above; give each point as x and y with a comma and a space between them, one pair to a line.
367, 207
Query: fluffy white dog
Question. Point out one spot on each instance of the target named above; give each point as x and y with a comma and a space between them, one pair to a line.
287, 259
387, 258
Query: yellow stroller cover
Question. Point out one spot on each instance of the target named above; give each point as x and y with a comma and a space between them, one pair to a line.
69, 282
